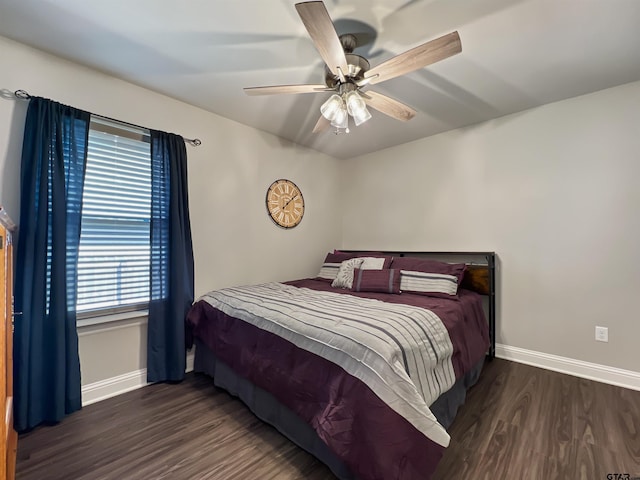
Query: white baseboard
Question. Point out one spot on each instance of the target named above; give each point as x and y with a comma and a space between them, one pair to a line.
190, 357
110, 387
103, 389
97, 391
577, 368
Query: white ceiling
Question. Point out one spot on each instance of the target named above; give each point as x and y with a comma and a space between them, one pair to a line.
516, 54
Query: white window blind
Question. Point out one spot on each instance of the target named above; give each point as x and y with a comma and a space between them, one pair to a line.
113, 263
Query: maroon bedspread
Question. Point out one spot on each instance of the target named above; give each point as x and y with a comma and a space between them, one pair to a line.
372, 439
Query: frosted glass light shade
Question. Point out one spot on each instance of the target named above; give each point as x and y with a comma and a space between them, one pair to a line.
341, 119
331, 107
361, 116
354, 102
356, 107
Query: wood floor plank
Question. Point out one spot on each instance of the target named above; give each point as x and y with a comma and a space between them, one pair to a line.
518, 422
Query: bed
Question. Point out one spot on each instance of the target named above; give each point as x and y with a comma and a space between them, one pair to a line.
364, 365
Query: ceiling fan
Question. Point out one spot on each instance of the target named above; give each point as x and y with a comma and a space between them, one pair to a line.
347, 73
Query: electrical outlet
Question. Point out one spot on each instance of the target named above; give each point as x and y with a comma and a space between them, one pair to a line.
602, 334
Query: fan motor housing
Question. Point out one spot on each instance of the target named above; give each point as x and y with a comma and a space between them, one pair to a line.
357, 67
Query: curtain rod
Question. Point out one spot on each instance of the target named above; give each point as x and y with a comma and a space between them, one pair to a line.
23, 95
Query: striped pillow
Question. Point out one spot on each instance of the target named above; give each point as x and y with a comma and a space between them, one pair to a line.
328, 271
432, 284
332, 261
379, 281
416, 264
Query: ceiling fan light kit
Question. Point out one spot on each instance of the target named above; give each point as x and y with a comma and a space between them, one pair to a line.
346, 73
338, 108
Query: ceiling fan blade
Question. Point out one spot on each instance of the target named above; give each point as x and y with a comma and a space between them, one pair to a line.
316, 20
416, 58
322, 125
277, 89
389, 106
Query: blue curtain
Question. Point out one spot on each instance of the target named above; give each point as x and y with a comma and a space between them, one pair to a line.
171, 273
46, 362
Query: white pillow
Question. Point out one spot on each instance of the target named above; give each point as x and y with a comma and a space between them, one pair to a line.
372, 263
344, 279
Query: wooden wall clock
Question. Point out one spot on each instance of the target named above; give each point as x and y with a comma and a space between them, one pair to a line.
285, 203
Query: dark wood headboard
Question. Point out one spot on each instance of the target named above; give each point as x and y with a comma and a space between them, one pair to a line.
480, 277
477, 278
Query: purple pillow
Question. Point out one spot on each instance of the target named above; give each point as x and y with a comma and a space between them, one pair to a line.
380, 281
425, 265
339, 257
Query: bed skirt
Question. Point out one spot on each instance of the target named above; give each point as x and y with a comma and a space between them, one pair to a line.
269, 410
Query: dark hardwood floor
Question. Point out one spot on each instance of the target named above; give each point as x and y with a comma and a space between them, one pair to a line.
519, 422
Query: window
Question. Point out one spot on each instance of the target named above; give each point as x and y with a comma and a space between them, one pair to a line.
113, 262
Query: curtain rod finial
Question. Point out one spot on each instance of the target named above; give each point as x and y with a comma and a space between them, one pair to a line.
23, 95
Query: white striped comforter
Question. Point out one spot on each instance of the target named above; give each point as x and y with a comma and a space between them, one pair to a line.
402, 353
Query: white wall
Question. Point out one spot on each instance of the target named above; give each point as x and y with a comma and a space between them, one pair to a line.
233, 238
553, 190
